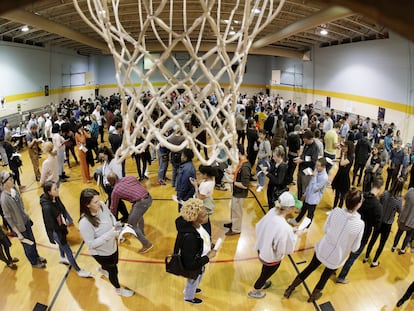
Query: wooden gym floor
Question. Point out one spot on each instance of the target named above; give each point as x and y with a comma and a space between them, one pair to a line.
228, 277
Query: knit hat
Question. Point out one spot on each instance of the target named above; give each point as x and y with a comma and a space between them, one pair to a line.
289, 199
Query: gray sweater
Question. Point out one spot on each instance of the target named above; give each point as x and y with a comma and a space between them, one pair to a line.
407, 213
13, 210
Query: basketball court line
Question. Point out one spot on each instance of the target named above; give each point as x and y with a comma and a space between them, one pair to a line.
161, 262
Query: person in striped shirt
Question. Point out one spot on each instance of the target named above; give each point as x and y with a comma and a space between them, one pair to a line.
343, 233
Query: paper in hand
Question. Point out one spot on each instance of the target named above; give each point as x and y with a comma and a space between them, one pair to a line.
27, 241
308, 171
305, 222
175, 199
126, 229
218, 244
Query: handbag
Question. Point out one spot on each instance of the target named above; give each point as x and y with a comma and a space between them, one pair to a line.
174, 265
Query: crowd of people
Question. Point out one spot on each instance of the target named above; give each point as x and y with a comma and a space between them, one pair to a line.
282, 138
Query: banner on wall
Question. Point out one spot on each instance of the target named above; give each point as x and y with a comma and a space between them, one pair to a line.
381, 113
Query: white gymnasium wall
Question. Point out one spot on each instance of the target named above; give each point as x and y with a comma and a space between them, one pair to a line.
359, 78
25, 70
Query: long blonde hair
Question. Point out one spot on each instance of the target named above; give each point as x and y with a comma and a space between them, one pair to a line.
48, 148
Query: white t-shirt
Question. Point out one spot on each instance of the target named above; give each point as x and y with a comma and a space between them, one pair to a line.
206, 240
206, 188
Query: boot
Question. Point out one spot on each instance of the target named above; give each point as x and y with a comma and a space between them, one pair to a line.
316, 294
292, 287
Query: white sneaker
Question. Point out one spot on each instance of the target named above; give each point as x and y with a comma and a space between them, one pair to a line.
84, 274
259, 189
64, 261
124, 292
292, 221
103, 272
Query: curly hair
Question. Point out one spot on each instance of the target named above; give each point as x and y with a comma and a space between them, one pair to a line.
191, 209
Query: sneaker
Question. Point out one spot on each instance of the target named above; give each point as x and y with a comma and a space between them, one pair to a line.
259, 189
256, 294
365, 260
124, 292
12, 266
342, 281
393, 249
84, 274
292, 221
194, 300
412, 249
374, 264
221, 188
145, 249
267, 285
161, 182
14, 259
401, 252
64, 261
228, 225
42, 260
39, 265
198, 290
103, 272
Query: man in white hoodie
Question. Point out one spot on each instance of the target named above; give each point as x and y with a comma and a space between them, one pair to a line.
274, 239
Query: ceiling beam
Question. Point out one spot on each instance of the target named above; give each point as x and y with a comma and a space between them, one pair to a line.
36, 21
396, 14
322, 17
230, 48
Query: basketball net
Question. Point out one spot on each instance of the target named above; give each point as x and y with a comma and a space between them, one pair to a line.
185, 84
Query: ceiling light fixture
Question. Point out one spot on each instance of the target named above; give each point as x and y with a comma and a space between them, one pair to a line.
323, 30
25, 28
255, 11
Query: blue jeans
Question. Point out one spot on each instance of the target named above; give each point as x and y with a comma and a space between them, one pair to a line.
30, 250
162, 167
191, 286
66, 251
261, 177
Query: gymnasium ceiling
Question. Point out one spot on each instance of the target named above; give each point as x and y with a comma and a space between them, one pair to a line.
293, 32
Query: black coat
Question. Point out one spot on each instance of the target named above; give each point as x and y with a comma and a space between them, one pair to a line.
51, 212
191, 245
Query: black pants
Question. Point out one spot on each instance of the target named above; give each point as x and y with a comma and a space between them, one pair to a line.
72, 150
358, 170
241, 135
267, 272
101, 132
291, 168
310, 208
140, 159
409, 292
109, 263
5, 250
339, 198
407, 238
392, 175
313, 265
384, 232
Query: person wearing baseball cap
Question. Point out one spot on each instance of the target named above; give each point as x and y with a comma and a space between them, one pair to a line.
274, 239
